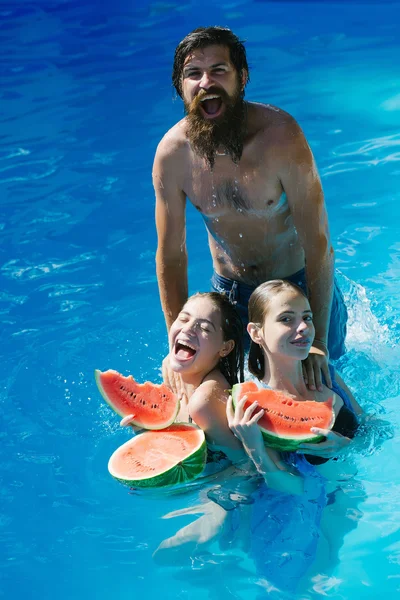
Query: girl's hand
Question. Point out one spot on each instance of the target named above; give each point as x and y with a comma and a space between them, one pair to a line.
334, 444
244, 423
126, 422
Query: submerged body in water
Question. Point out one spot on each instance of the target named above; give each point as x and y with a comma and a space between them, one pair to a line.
279, 532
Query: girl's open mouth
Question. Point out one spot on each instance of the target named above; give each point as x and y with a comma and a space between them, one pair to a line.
184, 351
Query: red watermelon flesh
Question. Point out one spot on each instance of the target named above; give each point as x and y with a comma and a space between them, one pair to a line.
154, 459
153, 406
286, 422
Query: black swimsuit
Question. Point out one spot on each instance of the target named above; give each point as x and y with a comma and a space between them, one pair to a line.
346, 421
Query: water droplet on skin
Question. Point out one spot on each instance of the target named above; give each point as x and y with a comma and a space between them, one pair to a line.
214, 194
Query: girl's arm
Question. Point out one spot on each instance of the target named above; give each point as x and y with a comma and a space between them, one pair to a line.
244, 424
335, 443
370, 434
382, 429
207, 407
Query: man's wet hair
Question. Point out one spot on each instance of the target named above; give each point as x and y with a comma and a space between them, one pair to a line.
208, 36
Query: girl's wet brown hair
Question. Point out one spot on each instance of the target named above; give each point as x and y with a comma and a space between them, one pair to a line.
232, 365
259, 303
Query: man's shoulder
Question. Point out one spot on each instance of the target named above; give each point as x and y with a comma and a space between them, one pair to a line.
174, 143
271, 120
278, 135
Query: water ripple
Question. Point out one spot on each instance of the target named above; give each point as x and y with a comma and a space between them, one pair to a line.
28, 171
39, 459
25, 331
15, 153
67, 289
10, 299
15, 270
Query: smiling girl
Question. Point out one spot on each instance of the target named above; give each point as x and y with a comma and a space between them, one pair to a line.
206, 353
282, 332
206, 350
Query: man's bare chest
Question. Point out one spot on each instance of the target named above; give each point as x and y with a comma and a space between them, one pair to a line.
234, 189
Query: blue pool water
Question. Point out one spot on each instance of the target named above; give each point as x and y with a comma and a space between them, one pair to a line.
85, 97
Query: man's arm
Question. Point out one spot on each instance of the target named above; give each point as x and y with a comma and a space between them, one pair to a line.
303, 188
171, 257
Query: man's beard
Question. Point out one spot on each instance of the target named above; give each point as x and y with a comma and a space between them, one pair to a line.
206, 136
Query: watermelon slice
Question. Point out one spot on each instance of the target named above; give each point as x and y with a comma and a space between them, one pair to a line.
286, 422
153, 406
155, 459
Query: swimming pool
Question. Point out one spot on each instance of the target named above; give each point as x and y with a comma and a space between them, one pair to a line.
85, 98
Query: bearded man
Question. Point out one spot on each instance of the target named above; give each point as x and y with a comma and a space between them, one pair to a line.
248, 170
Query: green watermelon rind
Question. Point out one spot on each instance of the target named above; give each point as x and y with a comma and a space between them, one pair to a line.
136, 423
288, 443
189, 469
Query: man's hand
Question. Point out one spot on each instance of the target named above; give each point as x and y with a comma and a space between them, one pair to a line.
334, 444
315, 364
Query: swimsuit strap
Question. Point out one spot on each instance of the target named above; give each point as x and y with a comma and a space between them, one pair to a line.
338, 390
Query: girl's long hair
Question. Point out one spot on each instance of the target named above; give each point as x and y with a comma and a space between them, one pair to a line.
232, 365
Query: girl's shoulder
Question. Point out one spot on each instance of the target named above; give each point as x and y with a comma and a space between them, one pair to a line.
215, 379
214, 387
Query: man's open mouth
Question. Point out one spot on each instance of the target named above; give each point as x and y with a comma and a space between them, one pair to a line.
184, 351
211, 105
